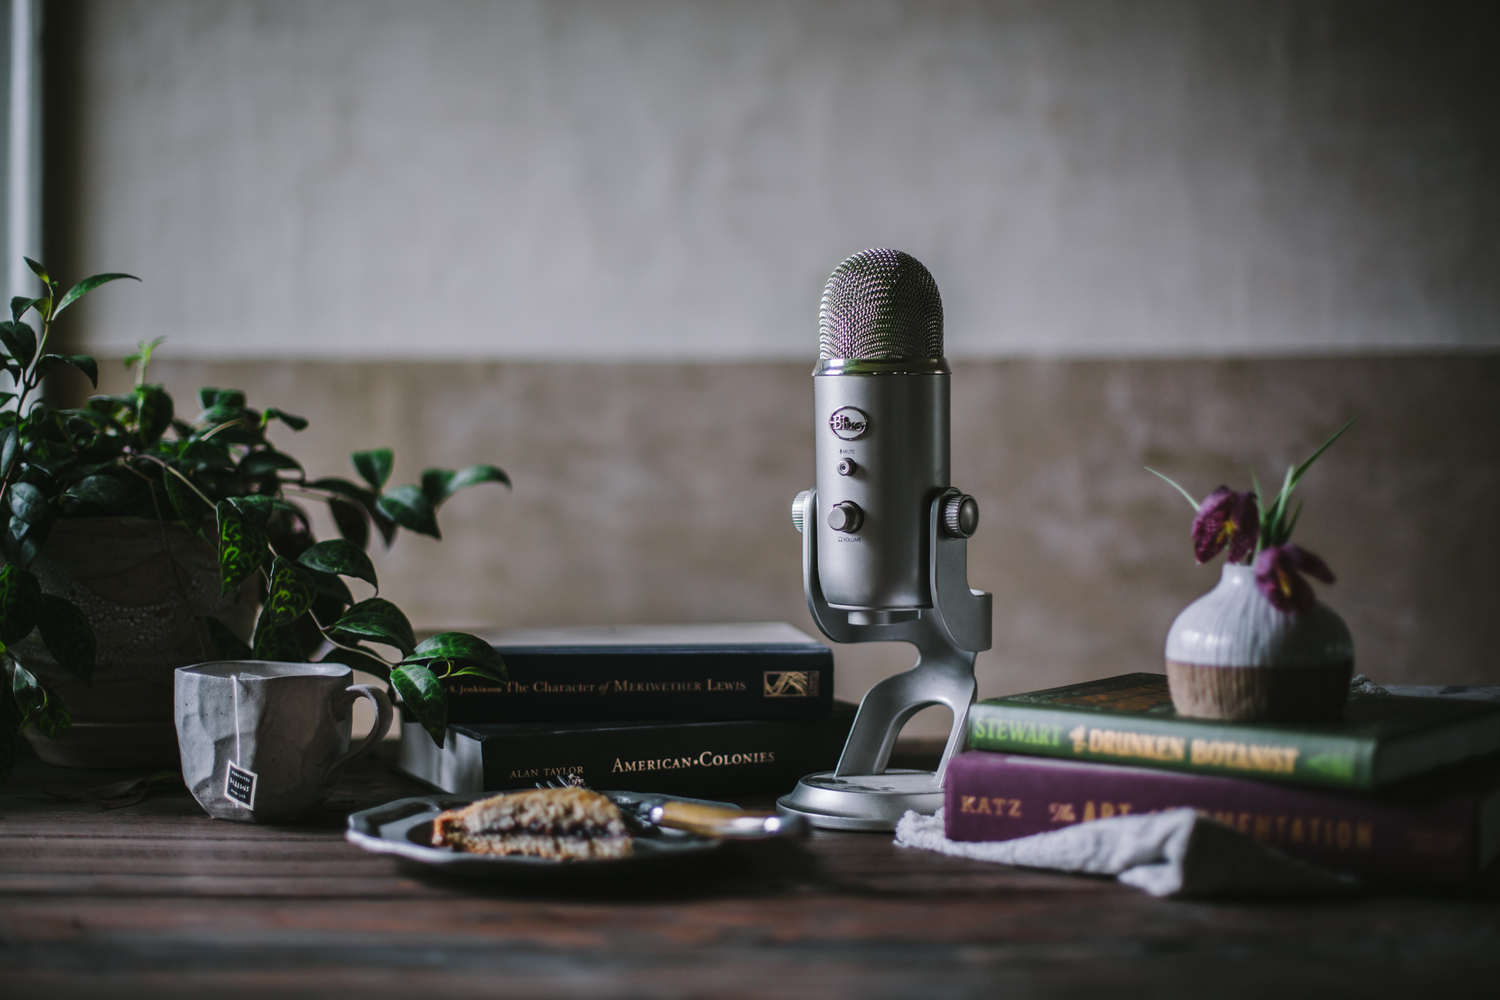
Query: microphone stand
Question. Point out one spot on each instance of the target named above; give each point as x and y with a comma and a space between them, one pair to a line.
860, 794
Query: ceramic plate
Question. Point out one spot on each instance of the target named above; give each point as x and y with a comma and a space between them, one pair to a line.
404, 828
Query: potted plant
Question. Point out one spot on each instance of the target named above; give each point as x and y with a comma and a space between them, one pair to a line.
138, 541
1260, 645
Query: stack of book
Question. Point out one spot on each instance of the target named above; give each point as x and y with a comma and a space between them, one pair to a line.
1401, 789
699, 710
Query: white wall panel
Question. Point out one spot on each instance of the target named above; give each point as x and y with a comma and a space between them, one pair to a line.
674, 180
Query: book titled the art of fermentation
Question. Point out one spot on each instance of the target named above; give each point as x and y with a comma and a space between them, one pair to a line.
1436, 830
765, 670
1380, 739
703, 759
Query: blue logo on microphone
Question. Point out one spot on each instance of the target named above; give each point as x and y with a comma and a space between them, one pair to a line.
849, 422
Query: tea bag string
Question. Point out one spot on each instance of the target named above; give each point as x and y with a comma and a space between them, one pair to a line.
237, 757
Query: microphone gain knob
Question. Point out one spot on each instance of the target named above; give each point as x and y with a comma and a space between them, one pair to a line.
799, 507
845, 516
960, 515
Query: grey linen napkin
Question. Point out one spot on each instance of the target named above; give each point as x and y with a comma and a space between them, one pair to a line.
1171, 853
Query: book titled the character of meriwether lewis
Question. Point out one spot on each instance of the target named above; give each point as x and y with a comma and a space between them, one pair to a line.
711, 759
753, 670
1380, 739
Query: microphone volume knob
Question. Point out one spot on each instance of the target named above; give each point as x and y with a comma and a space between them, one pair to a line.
845, 516
799, 508
960, 516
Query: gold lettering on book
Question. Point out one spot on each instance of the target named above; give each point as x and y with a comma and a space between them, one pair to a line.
1244, 756
980, 805
1061, 812
705, 759
1039, 734
1117, 743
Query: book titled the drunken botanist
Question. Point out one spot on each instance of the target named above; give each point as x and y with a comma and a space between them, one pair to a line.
706, 759
757, 670
1129, 720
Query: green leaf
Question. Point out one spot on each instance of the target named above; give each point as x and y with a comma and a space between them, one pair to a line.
344, 488
7, 449
190, 507
1307, 463
360, 659
276, 642
353, 523
266, 461
258, 509
242, 546
374, 466
19, 340
408, 507
435, 485
68, 635
290, 595
82, 362
38, 270
342, 557
460, 646
209, 453
440, 484
424, 695
20, 598
380, 620
153, 412
39, 706
87, 285
473, 475
226, 644
28, 503
142, 353
22, 542
293, 421
330, 586
106, 491
211, 398
19, 305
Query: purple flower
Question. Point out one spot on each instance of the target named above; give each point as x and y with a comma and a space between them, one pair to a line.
1226, 518
1278, 574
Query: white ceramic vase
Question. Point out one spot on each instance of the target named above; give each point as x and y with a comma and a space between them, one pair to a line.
1232, 655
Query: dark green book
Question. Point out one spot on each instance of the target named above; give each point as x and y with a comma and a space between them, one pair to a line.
1130, 720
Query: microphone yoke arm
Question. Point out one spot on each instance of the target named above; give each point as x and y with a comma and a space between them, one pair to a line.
947, 635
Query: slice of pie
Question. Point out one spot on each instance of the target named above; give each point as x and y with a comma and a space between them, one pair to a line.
565, 824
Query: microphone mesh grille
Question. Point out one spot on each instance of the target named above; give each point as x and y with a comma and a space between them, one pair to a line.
881, 304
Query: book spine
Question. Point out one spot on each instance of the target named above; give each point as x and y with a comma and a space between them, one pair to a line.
615, 684
702, 760
1262, 752
1433, 841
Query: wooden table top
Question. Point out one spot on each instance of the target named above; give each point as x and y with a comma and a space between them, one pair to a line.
158, 900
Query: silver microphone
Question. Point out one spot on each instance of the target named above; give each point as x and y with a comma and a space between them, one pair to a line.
880, 393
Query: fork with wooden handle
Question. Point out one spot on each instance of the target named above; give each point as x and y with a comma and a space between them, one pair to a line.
697, 817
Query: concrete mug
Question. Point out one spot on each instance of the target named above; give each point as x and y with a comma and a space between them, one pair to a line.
264, 742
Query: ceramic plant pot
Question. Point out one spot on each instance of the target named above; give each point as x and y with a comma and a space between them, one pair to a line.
143, 590
1231, 655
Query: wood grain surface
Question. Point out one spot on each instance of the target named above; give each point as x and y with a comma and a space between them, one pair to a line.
158, 900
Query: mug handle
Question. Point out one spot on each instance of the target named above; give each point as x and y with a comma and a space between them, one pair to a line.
383, 718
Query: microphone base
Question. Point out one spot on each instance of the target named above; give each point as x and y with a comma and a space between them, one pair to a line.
863, 801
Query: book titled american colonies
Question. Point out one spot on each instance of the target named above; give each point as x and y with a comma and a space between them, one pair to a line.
704, 759
760, 670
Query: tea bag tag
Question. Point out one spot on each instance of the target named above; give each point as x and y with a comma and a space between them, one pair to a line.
239, 782
239, 786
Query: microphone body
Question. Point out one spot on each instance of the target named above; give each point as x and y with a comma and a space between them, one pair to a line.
882, 452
